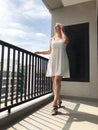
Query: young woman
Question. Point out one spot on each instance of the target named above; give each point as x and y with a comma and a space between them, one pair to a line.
58, 65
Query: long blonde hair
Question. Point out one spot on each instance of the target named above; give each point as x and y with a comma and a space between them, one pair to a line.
60, 25
62, 28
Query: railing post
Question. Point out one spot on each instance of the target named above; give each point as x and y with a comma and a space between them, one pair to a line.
1, 71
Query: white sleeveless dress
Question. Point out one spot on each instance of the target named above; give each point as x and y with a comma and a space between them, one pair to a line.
58, 64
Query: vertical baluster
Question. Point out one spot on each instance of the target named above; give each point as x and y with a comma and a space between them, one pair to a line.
35, 76
46, 85
13, 77
29, 76
17, 88
37, 67
44, 75
26, 75
1, 72
7, 78
40, 77
22, 76
32, 81
47, 79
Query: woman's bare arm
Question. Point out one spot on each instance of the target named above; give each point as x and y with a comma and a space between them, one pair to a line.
64, 36
44, 52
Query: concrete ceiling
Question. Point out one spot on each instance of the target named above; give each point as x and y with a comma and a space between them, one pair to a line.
54, 4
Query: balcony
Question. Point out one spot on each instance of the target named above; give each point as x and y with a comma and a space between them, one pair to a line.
25, 96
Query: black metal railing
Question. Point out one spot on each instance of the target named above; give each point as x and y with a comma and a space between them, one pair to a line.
22, 76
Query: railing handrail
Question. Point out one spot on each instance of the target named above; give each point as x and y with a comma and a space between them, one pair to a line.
19, 49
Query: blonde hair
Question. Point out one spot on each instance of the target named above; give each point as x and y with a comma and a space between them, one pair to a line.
62, 28
59, 24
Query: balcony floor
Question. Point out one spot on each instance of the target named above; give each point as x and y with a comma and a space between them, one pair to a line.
73, 115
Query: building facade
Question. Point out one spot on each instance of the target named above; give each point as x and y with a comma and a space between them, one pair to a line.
80, 20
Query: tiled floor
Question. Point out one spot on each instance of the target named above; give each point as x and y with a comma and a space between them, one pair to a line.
73, 115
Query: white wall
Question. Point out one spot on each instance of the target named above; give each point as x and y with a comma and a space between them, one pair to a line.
85, 12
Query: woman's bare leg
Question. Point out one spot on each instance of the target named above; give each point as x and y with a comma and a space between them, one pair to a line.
53, 83
56, 89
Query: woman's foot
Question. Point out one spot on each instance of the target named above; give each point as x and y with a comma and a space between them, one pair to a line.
54, 110
59, 104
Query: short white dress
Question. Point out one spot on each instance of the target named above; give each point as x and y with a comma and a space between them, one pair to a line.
58, 64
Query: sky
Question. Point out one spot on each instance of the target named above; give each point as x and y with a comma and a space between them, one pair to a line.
25, 23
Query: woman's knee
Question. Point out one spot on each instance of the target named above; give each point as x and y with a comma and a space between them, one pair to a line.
57, 79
